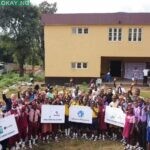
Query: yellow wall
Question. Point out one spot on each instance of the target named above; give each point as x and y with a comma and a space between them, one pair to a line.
62, 47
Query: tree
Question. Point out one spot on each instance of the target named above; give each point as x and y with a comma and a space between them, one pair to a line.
44, 8
21, 24
6, 49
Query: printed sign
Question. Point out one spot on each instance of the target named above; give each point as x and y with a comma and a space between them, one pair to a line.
8, 127
114, 116
81, 114
53, 114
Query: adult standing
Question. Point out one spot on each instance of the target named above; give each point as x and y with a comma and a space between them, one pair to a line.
145, 76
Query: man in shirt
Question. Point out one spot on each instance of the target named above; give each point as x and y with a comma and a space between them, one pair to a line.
145, 76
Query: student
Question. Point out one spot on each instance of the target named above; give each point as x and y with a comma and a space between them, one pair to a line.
34, 114
148, 127
46, 127
101, 117
129, 127
67, 122
94, 125
23, 126
14, 140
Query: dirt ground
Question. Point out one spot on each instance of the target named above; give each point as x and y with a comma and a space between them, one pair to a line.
80, 145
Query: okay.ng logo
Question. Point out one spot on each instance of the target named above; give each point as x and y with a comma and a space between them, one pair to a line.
14, 2
80, 113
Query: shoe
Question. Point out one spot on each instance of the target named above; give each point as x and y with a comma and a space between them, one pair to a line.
56, 139
100, 136
103, 137
95, 139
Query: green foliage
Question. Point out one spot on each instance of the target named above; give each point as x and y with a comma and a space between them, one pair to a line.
39, 78
22, 25
11, 78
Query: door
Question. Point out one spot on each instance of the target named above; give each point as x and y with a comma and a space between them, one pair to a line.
115, 68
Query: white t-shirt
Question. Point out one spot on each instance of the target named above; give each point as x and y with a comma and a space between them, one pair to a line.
145, 72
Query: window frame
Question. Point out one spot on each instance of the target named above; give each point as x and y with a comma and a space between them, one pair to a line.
115, 34
135, 34
80, 30
74, 65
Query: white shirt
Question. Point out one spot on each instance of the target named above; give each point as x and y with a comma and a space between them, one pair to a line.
145, 72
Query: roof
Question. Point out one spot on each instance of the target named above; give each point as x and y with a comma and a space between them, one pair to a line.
97, 19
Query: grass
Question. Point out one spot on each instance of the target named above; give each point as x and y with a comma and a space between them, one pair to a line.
81, 145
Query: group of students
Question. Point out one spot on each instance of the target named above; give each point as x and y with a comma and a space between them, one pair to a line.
27, 110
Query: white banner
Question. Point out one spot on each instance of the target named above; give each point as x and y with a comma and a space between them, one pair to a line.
114, 116
53, 114
81, 114
8, 127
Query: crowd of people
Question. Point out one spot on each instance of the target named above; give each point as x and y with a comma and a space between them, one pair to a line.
26, 106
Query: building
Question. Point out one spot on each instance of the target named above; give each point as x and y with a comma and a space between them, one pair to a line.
85, 46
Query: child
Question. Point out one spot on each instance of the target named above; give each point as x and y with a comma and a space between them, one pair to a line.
129, 127
34, 115
14, 140
148, 127
94, 125
102, 124
23, 125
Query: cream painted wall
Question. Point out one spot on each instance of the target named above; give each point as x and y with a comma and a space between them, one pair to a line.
62, 47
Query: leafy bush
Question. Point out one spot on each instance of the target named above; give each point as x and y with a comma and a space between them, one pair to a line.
39, 78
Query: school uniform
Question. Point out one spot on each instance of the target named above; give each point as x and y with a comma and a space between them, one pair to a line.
148, 127
33, 122
94, 125
67, 123
15, 138
142, 128
23, 125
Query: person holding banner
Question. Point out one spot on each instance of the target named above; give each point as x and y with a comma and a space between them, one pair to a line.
14, 140
94, 125
4, 143
67, 123
46, 127
114, 103
101, 117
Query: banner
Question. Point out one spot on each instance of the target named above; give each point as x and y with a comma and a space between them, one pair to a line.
8, 127
114, 116
81, 114
53, 114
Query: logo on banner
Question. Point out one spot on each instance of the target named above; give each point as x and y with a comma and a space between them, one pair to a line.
80, 114
56, 114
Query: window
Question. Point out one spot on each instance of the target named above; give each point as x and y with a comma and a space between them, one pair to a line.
85, 30
79, 30
115, 34
84, 65
79, 65
135, 34
73, 65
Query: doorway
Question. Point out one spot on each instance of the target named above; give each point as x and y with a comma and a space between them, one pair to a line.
115, 68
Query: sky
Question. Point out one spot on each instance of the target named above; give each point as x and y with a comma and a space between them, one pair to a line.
99, 6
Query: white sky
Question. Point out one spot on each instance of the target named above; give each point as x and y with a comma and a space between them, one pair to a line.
98, 6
